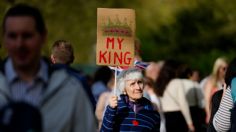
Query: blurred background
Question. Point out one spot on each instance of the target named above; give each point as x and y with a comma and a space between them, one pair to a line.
193, 31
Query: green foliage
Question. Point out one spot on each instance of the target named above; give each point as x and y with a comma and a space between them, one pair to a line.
194, 31
197, 36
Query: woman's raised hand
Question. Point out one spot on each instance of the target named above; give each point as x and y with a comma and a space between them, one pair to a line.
113, 100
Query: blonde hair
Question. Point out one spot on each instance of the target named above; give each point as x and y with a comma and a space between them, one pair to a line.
217, 65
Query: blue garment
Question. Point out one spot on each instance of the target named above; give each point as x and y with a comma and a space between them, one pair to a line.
98, 88
122, 117
233, 89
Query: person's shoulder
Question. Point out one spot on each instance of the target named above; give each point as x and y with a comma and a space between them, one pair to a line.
175, 83
145, 100
2, 64
209, 79
219, 92
59, 69
148, 105
217, 95
175, 80
60, 73
67, 83
150, 108
190, 83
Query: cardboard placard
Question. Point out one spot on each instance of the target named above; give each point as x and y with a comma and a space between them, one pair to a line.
115, 37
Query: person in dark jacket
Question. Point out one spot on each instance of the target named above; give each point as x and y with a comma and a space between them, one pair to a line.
215, 103
131, 111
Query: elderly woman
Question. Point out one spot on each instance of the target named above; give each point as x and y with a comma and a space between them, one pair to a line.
131, 112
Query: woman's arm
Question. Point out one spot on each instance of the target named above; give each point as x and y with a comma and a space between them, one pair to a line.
101, 106
184, 107
207, 94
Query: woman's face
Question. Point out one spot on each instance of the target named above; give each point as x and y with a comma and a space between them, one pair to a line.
222, 70
134, 89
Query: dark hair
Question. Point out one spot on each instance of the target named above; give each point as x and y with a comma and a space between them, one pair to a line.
20, 117
149, 82
167, 73
230, 72
25, 10
103, 74
184, 71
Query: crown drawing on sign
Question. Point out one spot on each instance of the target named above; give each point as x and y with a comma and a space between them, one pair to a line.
116, 27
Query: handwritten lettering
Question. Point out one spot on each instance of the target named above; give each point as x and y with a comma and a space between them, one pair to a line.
112, 42
114, 57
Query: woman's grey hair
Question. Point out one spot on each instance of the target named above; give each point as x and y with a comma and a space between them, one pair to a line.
134, 73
